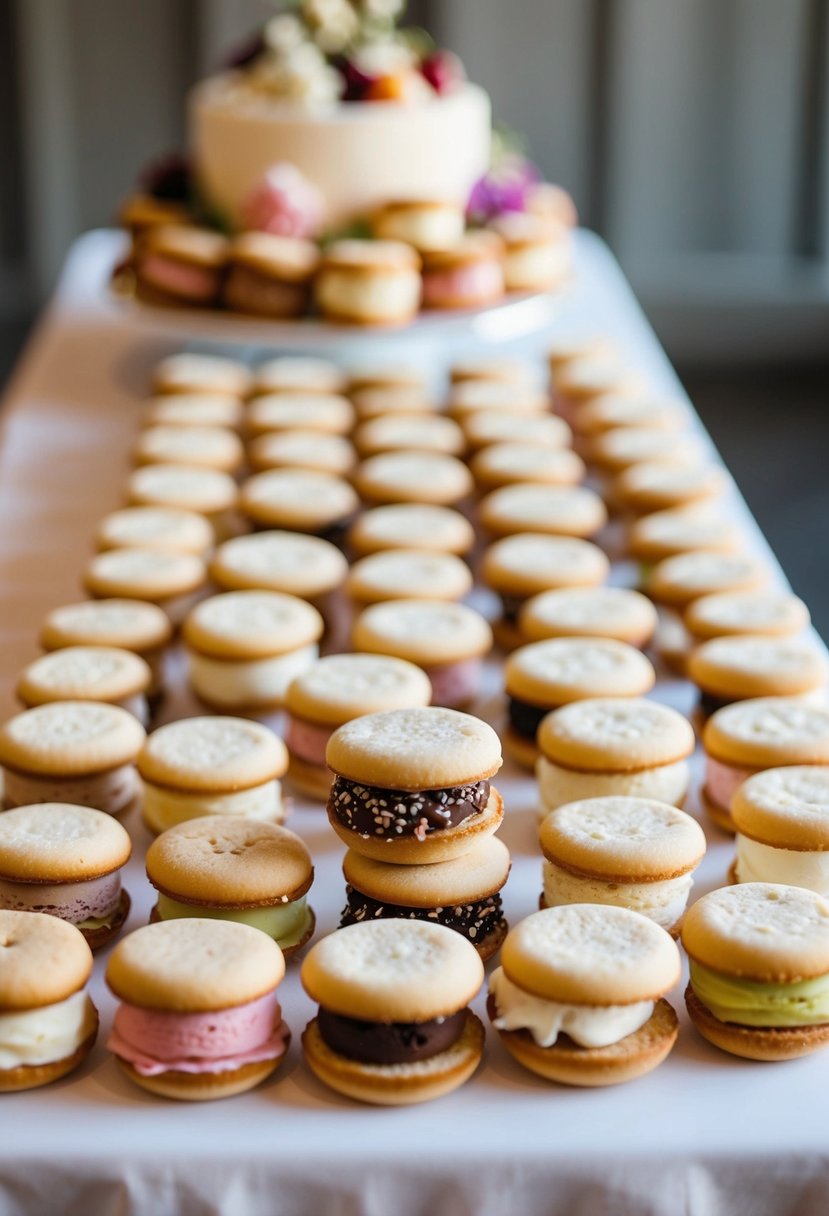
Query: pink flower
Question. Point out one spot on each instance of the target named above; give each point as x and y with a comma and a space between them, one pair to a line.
284, 203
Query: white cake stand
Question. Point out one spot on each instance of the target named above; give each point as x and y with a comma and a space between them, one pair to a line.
515, 317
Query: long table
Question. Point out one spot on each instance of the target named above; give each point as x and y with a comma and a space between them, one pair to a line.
704, 1134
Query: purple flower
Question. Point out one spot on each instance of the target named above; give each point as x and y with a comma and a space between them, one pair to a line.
507, 186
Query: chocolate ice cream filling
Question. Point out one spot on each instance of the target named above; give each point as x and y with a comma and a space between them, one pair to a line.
373, 811
524, 718
476, 920
389, 1042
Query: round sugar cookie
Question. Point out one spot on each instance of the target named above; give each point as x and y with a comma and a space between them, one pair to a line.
785, 808
768, 731
602, 612
340, 687
764, 932
528, 563
289, 562
479, 873
591, 954
323, 413
413, 476
560, 670
195, 373
750, 666
302, 450
396, 574
43, 960
170, 528
610, 735
681, 579
557, 510
298, 373
128, 624
143, 574
194, 966
220, 754
411, 525
300, 499
251, 624
624, 840
771, 614
428, 632
70, 738
393, 971
415, 749
56, 842
206, 491
84, 673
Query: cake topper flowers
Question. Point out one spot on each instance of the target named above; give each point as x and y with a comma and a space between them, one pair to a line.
318, 52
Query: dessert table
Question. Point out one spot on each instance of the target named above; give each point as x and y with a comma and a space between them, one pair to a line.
704, 1134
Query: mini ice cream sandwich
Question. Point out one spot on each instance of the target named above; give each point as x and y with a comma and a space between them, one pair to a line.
196, 373
269, 275
512, 463
663, 534
299, 500
276, 413
205, 447
542, 676
632, 853
551, 510
227, 867
181, 264
48, 1024
413, 785
173, 581
468, 273
578, 997
302, 450
369, 282
759, 982
198, 1016
463, 894
403, 574
88, 673
66, 861
736, 668
330, 693
538, 251
289, 562
411, 525
245, 647
413, 476
447, 640
423, 223
601, 612
211, 766
484, 427
423, 432
625, 746
526, 564
143, 629
80, 752
393, 1025
298, 374
750, 736
781, 817
208, 492
773, 614
194, 409
169, 528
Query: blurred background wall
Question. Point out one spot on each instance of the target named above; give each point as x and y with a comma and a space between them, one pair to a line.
694, 135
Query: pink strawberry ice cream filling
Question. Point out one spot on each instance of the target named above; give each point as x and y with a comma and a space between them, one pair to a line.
180, 278
308, 741
154, 1041
72, 901
479, 280
455, 683
722, 780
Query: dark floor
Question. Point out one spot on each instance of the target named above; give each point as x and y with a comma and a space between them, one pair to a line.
772, 428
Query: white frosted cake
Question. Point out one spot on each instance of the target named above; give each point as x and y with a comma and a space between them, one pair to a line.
359, 155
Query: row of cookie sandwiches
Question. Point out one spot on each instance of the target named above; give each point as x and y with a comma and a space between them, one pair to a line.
578, 998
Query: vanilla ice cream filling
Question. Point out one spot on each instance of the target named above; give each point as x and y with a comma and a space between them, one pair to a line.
286, 923
529, 266
112, 791
78, 902
557, 784
391, 294
248, 683
663, 901
758, 862
46, 1035
586, 1025
165, 807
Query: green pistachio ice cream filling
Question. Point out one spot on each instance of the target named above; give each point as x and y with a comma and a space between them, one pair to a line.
286, 923
748, 1003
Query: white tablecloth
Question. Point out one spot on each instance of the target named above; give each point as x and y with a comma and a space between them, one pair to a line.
705, 1134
